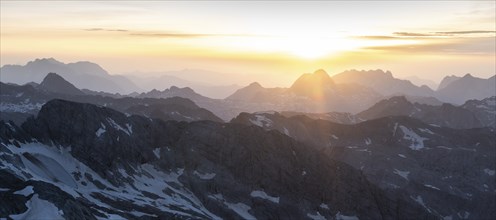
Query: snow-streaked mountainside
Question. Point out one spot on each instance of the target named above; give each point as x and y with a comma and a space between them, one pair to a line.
484, 110
449, 172
83, 74
473, 114
27, 100
79, 160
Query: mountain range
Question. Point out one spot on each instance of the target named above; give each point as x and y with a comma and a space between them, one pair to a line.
83, 74
326, 147
20, 102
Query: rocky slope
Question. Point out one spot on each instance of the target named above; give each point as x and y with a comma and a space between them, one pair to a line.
484, 110
83, 161
446, 115
449, 172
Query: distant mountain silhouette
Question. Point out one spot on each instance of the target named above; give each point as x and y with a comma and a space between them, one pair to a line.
311, 92
420, 82
446, 115
467, 87
84, 75
447, 80
249, 92
201, 81
382, 82
317, 85
55, 83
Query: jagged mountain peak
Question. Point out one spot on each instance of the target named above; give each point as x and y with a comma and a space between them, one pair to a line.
309, 84
56, 83
255, 85
50, 60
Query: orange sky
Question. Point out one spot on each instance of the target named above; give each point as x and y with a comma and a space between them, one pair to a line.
270, 42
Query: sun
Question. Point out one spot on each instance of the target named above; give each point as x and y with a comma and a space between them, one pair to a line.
316, 47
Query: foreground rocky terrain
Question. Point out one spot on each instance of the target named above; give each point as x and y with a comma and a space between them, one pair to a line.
84, 161
449, 172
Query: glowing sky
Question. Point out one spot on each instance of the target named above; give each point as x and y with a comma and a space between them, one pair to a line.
270, 42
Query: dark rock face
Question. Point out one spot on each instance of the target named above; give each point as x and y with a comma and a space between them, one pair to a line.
449, 172
103, 163
484, 110
55, 83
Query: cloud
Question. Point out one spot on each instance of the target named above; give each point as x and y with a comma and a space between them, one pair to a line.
442, 33
411, 34
480, 45
164, 34
185, 35
378, 37
465, 32
105, 29
175, 35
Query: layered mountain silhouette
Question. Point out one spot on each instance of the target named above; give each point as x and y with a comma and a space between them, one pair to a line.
27, 100
311, 92
342, 147
84, 75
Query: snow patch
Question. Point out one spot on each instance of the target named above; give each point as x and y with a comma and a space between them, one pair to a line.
286, 132
156, 151
431, 186
426, 130
417, 142
403, 174
240, 208
368, 141
420, 201
100, 130
114, 124
317, 216
39, 209
28, 190
263, 195
444, 147
335, 137
204, 176
261, 121
339, 216
401, 155
489, 172
324, 206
